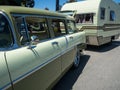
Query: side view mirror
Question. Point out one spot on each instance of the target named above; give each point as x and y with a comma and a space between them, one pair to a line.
34, 40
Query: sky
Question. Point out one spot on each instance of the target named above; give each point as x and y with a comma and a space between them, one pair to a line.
42, 4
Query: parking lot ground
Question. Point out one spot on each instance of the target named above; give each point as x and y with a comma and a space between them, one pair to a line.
99, 70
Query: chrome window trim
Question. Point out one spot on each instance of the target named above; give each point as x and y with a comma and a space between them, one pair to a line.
39, 16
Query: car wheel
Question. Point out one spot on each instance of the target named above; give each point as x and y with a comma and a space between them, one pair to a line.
77, 59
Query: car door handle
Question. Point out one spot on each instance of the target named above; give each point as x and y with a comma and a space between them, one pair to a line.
71, 37
54, 43
31, 46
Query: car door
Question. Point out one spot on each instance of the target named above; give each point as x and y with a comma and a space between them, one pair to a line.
50, 55
49, 51
59, 28
20, 59
71, 39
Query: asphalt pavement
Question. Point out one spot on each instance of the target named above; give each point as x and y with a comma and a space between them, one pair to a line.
99, 70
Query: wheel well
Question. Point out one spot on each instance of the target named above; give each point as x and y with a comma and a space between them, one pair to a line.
81, 47
113, 38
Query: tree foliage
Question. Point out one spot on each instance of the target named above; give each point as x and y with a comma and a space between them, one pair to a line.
26, 3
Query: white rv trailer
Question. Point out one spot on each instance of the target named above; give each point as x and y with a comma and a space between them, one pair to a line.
100, 19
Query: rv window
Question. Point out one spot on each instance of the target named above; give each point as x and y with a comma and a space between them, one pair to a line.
71, 27
6, 39
84, 18
102, 13
112, 15
58, 26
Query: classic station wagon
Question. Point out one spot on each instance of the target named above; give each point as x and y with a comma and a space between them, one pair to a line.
36, 47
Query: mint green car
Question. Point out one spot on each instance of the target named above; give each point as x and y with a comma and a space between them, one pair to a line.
36, 47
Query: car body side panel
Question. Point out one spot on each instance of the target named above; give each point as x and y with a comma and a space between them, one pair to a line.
4, 75
68, 58
42, 78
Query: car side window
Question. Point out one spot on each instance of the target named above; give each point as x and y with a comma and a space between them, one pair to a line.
37, 28
31, 29
21, 29
71, 27
58, 26
6, 38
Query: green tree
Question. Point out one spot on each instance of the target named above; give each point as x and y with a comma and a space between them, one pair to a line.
26, 3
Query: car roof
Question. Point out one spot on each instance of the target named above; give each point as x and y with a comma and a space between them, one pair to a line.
25, 10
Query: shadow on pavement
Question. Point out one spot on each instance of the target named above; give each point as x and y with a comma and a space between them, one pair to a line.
105, 47
72, 75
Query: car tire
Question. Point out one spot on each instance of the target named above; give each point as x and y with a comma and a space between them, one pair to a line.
77, 59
